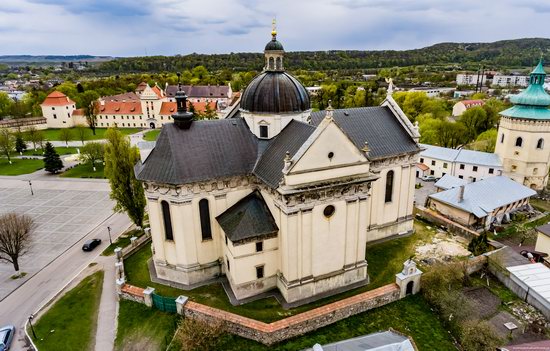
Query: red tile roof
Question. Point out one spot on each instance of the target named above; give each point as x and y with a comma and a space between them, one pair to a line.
473, 103
57, 98
120, 108
121, 97
78, 112
422, 166
169, 108
157, 91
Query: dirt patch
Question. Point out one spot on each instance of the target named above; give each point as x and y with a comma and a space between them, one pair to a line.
443, 248
485, 303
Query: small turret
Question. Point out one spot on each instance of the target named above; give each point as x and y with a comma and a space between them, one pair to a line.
182, 117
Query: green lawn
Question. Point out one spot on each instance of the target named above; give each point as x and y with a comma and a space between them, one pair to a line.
19, 166
53, 133
151, 135
384, 259
72, 320
411, 316
541, 205
60, 151
122, 241
85, 170
143, 328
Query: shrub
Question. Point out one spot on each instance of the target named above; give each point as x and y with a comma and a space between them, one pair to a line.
479, 245
194, 335
476, 335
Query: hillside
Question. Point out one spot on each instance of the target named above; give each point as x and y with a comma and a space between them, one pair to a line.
51, 59
505, 53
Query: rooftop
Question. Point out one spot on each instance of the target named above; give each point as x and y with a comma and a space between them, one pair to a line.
381, 341
57, 98
534, 276
461, 156
448, 182
484, 196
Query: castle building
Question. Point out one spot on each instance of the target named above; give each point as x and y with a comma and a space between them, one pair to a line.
278, 198
61, 112
523, 140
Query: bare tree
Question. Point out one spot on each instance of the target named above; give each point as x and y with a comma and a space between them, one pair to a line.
15, 237
66, 135
32, 136
81, 133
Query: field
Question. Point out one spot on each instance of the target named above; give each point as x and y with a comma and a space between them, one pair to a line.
85, 170
53, 133
19, 166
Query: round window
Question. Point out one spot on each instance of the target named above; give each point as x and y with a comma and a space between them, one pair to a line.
330, 155
329, 211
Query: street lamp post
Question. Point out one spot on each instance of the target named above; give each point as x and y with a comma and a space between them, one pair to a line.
30, 186
31, 317
110, 240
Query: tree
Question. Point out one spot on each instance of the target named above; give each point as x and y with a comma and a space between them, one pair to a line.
66, 135
6, 105
479, 244
15, 237
32, 136
6, 143
20, 144
88, 99
209, 112
475, 120
81, 133
52, 161
126, 190
92, 153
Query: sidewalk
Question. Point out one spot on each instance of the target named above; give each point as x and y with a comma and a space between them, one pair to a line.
108, 307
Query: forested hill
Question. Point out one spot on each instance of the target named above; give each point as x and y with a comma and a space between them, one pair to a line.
505, 53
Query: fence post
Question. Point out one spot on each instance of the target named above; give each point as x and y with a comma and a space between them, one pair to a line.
118, 254
133, 241
148, 296
119, 284
119, 270
180, 303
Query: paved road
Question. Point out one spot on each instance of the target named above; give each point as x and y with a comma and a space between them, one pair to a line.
44, 285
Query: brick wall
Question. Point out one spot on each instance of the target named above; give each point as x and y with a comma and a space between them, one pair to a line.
296, 325
133, 293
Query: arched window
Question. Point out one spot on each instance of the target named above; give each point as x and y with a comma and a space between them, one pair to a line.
279, 63
389, 186
540, 143
205, 219
168, 233
502, 138
271, 63
519, 142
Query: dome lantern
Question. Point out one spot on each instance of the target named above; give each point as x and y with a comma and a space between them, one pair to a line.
274, 52
182, 117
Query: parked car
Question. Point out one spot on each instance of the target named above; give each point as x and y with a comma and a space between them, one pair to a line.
6, 336
91, 244
429, 178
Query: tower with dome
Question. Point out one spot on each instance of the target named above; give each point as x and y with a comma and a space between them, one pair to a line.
278, 198
523, 139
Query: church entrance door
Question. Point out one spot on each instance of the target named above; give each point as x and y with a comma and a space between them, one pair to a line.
410, 286
152, 125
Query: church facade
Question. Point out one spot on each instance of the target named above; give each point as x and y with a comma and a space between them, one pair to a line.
523, 139
278, 197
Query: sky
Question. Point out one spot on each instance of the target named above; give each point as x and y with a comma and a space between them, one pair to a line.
170, 27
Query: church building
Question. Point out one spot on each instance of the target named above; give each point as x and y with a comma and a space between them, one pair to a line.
278, 198
523, 140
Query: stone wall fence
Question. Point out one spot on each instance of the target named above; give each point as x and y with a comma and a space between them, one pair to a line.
406, 282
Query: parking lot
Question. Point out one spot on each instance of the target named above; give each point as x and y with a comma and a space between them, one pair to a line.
420, 195
62, 218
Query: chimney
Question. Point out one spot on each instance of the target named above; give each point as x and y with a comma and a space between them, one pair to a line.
461, 193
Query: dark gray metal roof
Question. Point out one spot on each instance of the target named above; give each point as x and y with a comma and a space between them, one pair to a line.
544, 229
248, 219
274, 44
275, 92
207, 150
376, 125
269, 167
200, 91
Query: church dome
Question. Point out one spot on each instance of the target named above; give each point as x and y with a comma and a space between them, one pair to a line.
275, 92
274, 44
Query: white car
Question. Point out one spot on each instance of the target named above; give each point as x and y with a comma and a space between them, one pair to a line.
6, 336
429, 178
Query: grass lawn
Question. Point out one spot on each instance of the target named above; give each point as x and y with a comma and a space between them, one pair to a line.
511, 235
53, 133
122, 241
541, 205
411, 316
19, 166
60, 151
151, 135
384, 259
143, 328
85, 170
72, 320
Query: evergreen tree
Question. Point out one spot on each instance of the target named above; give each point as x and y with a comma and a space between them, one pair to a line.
479, 244
126, 190
20, 144
52, 161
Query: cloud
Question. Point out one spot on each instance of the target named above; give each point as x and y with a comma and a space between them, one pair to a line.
133, 27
